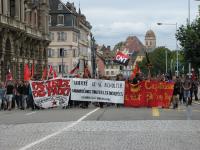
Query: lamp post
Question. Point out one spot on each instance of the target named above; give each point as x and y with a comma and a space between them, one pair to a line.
93, 48
176, 25
62, 54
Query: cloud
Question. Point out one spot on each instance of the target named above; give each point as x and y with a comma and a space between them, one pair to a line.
113, 21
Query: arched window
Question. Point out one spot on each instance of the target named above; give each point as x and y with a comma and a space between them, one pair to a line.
12, 8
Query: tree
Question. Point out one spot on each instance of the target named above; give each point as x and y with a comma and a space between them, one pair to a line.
158, 61
189, 38
118, 46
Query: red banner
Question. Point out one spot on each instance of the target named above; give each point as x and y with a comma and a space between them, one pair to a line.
51, 93
149, 94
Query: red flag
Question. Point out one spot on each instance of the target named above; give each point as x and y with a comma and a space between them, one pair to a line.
75, 69
135, 71
193, 74
54, 74
32, 70
44, 74
9, 75
87, 72
50, 71
27, 73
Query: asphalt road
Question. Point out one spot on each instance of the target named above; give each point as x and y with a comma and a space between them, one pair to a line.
96, 129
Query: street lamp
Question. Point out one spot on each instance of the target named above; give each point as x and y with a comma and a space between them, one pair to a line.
62, 50
173, 24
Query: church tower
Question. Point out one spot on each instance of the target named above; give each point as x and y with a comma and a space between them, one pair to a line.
150, 41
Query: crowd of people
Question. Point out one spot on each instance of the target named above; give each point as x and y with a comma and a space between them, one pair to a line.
17, 94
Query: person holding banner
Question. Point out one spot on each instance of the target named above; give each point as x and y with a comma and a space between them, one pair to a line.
9, 94
2, 94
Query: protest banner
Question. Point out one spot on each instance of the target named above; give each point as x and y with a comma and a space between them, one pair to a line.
95, 90
149, 94
51, 93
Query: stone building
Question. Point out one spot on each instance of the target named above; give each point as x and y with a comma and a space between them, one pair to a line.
23, 36
150, 41
105, 64
70, 36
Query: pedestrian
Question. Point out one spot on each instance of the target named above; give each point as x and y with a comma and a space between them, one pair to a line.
2, 94
187, 85
9, 94
19, 91
25, 98
195, 84
176, 92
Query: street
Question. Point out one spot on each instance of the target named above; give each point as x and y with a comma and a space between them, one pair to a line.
94, 128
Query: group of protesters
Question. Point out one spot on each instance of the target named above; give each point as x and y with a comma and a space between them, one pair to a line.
17, 94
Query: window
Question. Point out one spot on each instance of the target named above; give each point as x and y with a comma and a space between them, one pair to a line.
107, 72
60, 20
75, 37
66, 68
150, 43
111, 66
112, 72
50, 52
60, 6
49, 20
60, 68
62, 36
61, 52
51, 36
12, 8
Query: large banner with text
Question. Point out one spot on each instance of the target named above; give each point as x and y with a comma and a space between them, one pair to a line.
97, 90
149, 94
51, 93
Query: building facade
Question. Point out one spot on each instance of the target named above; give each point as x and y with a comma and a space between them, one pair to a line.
105, 63
69, 32
150, 41
23, 36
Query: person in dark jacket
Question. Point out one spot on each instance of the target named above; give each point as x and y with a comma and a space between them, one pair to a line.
9, 93
176, 93
19, 93
25, 95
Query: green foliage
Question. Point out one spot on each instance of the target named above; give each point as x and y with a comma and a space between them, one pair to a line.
118, 46
158, 61
189, 38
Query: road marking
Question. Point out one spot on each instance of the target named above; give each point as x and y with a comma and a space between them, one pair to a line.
58, 132
155, 112
196, 102
30, 113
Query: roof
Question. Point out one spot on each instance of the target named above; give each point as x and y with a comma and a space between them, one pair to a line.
54, 6
150, 33
133, 44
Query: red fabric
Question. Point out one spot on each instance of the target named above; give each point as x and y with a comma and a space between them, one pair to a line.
75, 69
135, 71
121, 58
27, 73
9, 76
32, 70
44, 74
54, 74
50, 71
149, 94
87, 72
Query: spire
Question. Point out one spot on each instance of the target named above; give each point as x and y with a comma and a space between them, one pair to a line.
79, 10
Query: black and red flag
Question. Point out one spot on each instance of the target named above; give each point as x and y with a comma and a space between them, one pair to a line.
121, 58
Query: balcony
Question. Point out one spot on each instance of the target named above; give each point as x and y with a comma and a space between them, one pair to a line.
15, 24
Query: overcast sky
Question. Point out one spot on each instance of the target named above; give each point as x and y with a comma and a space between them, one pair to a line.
114, 20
